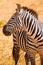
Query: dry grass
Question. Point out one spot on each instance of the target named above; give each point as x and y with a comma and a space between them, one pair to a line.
7, 8
6, 46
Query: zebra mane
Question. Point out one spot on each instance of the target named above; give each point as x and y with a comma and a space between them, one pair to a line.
31, 11
19, 7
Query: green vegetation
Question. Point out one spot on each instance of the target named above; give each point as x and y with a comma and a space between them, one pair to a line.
2, 22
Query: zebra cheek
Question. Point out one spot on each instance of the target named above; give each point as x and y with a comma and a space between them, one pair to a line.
6, 33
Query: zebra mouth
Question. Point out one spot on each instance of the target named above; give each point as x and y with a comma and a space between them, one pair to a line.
6, 33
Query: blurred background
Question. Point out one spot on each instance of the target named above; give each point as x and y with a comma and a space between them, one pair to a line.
7, 8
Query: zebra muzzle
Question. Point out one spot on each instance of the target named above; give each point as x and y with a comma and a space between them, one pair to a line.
7, 33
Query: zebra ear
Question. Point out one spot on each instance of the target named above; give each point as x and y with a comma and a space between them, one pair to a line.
18, 7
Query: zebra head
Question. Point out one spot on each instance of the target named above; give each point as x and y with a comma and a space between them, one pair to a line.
15, 21
11, 25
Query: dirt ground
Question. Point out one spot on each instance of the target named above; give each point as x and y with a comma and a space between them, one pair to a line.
7, 8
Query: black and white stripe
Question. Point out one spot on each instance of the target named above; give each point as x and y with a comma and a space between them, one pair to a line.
29, 33
32, 25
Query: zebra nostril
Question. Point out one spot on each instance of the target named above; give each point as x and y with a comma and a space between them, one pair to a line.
7, 33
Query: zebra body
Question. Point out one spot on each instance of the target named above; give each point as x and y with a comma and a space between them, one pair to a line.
28, 37
32, 27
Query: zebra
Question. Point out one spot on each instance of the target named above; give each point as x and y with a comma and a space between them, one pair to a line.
25, 27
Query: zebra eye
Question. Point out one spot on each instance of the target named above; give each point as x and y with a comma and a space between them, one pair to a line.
12, 18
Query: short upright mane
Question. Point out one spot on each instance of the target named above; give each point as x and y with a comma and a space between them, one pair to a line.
19, 7
31, 11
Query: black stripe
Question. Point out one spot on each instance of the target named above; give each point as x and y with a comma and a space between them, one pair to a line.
37, 33
24, 36
29, 40
18, 21
39, 37
20, 36
14, 40
39, 45
33, 30
40, 41
22, 40
30, 24
25, 19
28, 21
31, 44
34, 45
14, 36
